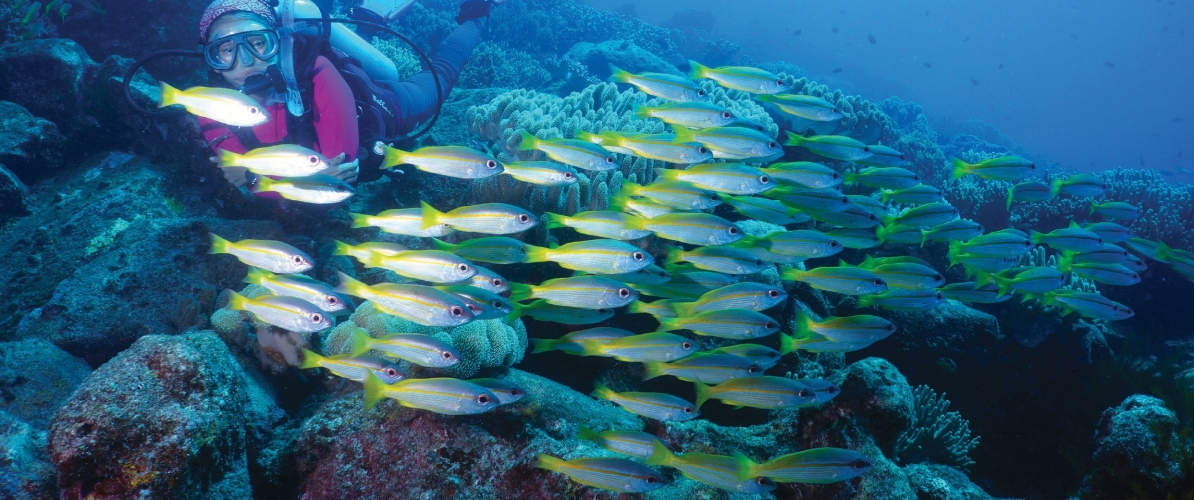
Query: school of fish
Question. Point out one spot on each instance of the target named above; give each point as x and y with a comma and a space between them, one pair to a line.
695, 287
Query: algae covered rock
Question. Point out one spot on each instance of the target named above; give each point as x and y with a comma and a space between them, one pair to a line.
25, 473
165, 418
1138, 451
36, 377
31, 147
398, 452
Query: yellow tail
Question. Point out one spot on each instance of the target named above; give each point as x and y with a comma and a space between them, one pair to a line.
218, 244
961, 168
350, 286
257, 275
660, 455
393, 157
169, 95
360, 220
373, 390
431, 216
698, 70
310, 360
361, 342
228, 158
237, 302
600, 391
544, 461
702, 393
536, 254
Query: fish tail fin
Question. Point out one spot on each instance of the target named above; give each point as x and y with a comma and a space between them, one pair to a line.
983, 278
961, 168
535, 254
702, 393
851, 178
361, 342
787, 343
746, 467
256, 275
924, 236
349, 285
1066, 263
682, 309
955, 249
667, 174
545, 461
698, 71
237, 302
169, 94
1036, 237
310, 360
515, 312
1163, 252
600, 391
218, 244
641, 112
793, 274
392, 157
373, 390
264, 184
542, 345
342, 248
670, 324
227, 158
794, 139
1004, 284
1010, 191
360, 220
804, 324
1093, 206
674, 256
590, 348
553, 221
528, 142
431, 216
619, 75
587, 434
685, 135
884, 195
582, 135
521, 291
887, 220
881, 233
866, 300
441, 245
652, 369
1055, 186
660, 455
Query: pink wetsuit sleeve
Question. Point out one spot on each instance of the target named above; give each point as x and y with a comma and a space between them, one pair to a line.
335, 112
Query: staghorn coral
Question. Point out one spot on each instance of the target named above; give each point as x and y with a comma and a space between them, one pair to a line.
935, 434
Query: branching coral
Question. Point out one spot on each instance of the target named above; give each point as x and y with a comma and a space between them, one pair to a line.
936, 435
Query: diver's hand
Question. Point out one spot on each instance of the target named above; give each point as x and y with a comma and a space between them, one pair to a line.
387, 9
340, 169
475, 9
236, 175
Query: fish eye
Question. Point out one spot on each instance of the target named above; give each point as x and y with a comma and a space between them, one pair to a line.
773, 293
523, 218
758, 262
1100, 240
866, 148
768, 325
391, 372
803, 393
490, 164
495, 282
732, 230
1135, 276
567, 175
835, 110
763, 179
462, 268
686, 345
1032, 166
779, 82
939, 297
702, 150
938, 277
637, 255
456, 311
701, 93
482, 399
497, 304
860, 463
253, 110
902, 158
762, 481
831, 389
331, 299
726, 114
316, 318
915, 177
650, 479
752, 369
446, 355
771, 145
314, 160
297, 260
623, 292
878, 282
845, 200
833, 243
515, 392
609, 160
834, 176
687, 409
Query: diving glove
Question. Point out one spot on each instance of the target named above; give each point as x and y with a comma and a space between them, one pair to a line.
474, 9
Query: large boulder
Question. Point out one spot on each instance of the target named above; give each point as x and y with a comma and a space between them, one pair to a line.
25, 473
50, 77
13, 195
171, 417
1139, 452
36, 377
30, 147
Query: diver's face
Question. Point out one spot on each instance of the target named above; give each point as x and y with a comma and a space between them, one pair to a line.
246, 65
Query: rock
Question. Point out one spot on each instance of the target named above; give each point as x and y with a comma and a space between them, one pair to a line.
875, 398
50, 77
940, 482
621, 53
30, 147
108, 256
36, 377
171, 417
1138, 452
12, 195
25, 474
398, 452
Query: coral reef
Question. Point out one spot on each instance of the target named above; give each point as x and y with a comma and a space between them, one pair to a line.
935, 434
1139, 452
191, 403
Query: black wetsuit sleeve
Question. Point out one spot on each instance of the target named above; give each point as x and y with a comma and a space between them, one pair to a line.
416, 95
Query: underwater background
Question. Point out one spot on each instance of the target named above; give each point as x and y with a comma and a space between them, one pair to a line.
125, 372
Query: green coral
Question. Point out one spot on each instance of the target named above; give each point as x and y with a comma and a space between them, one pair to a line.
935, 435
496, 65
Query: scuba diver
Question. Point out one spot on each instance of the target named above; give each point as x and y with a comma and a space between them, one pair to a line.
242, 42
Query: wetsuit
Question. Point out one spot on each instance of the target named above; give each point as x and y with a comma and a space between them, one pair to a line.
334, 116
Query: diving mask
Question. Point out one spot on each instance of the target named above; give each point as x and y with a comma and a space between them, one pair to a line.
222, 53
